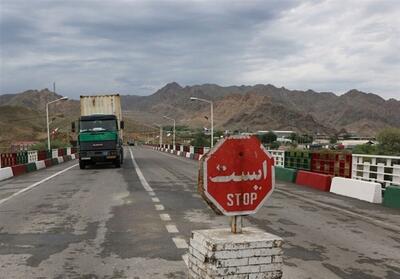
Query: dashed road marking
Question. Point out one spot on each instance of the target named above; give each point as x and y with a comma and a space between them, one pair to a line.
171, 228
180, 243
35, 184
165, 217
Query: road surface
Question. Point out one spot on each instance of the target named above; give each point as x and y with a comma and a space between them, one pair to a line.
135, 222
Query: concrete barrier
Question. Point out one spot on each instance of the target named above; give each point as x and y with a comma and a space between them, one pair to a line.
285, 174
31, 167
60, 159
317, 181
391, 197
6, 173
73, 156
54, 161
48, 162
40, 165
358, 189
18, 169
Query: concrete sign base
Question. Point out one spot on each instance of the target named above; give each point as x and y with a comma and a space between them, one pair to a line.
218, 253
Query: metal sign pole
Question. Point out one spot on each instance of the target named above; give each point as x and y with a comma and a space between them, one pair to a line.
236, 224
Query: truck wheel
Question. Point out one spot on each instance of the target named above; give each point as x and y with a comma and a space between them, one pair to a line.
82, 165
117, 163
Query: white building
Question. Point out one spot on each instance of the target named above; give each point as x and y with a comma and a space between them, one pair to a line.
281, 136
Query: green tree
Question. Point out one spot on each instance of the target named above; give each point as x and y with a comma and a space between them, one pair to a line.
274, 145
366, 149
293, 137
200, 140
269, 137
389, 141
333, 140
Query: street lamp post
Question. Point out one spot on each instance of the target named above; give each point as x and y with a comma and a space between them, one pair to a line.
173, 137
47, 119
212, 115
161, 132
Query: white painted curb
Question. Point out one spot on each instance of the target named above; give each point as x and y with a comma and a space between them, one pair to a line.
6, 173
40, 165
358, 189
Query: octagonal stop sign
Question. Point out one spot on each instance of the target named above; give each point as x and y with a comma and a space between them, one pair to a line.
237, 176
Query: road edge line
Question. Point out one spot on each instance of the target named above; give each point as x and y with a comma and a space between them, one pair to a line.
2, 201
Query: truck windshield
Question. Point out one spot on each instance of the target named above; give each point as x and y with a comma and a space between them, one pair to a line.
98, 125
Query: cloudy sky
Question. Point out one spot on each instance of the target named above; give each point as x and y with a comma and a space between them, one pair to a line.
135, 47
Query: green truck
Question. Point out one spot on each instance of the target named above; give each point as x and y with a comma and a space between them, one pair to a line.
100, 130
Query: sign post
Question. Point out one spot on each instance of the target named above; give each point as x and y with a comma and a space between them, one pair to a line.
236, 177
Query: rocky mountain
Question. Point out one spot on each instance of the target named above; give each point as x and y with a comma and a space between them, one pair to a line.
265, 107
245, 108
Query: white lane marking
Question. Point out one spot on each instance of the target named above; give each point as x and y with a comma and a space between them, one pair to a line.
155, 199
35, 184
165, 217
180, 243
327, 206
140, 174
159, 207
152, 194
171, 228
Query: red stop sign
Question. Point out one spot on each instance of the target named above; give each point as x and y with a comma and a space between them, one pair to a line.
237, 175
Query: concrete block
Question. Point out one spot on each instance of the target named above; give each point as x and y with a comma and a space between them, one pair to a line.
392, 197
358, 189
40, 165
314, 180
31, 167
218, 253
18, 169
6, 173
285, 174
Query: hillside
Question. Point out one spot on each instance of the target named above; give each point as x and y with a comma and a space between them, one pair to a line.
264, 107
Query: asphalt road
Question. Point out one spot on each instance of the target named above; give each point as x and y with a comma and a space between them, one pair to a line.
135, 222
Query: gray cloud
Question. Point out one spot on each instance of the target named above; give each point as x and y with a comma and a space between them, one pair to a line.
135, 47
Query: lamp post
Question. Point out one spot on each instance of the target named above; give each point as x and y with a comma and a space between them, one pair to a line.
212, 115
47, 119
161, 132
173, 137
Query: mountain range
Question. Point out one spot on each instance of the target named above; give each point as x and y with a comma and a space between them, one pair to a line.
266, 107
244, 108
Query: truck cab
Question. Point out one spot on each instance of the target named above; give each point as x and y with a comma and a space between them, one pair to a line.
99, 140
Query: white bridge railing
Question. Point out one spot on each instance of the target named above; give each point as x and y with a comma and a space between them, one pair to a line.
381, 169
279, 156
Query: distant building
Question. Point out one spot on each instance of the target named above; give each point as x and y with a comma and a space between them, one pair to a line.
281, 136
352, 143
22, 145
